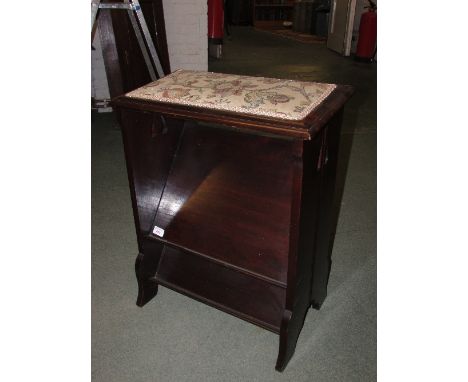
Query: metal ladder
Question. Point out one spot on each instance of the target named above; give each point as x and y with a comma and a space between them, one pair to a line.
135, 13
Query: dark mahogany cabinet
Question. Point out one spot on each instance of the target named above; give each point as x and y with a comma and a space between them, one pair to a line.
232, 180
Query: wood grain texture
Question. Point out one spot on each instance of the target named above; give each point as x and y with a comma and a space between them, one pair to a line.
150, 147
304, 221
327, 216
109, 53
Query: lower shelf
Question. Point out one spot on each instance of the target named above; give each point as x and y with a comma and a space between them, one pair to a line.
246, 297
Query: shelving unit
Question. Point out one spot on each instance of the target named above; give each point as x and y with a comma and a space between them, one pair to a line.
272, 14
234, 208
225, 210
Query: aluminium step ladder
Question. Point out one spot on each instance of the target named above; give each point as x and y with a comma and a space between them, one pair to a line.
143, 36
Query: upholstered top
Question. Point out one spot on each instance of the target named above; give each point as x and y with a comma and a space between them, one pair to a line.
275, 98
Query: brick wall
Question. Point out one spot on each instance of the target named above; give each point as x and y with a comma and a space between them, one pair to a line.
187, 40
187, 33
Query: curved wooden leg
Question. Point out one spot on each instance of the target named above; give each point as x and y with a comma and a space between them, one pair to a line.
285, 353
145, 269
291, 326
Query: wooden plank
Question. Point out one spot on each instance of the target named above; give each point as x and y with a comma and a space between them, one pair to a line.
149, 149
109, 53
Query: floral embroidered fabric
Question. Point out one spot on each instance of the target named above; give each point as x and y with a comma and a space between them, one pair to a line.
276, 98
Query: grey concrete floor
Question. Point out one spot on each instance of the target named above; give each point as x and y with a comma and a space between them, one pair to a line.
175, 338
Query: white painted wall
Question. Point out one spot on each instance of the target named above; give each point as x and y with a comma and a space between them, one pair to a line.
187, 40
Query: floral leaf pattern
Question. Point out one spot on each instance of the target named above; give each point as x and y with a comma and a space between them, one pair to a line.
276, 98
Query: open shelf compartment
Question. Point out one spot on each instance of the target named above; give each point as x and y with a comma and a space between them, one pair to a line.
228, 198
247, 297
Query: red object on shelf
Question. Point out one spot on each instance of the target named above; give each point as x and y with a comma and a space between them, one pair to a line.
216, 21
367, 36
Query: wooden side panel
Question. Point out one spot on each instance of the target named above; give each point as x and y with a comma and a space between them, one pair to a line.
150, 146
308, 272
327, 215
150, 143
304, 222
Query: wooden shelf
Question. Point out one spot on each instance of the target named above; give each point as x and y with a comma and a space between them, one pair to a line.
268, 15
246, 297
229, 205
